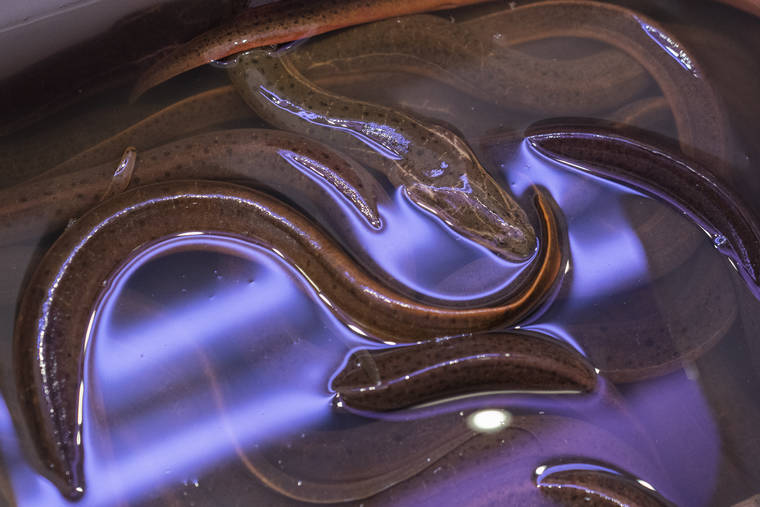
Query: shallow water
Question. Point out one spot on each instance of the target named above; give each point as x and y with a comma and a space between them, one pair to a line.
210, 360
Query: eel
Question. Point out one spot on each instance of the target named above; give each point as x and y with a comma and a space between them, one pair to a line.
280, 22
595, 484
499, 468
749, 6
405, 376
54, 313
684, 184
437, 169
699, 116
188, 116
467, 59
299, 168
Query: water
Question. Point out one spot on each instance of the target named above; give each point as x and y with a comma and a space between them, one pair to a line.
210, 360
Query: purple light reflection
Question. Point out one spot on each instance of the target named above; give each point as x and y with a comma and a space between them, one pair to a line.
178, 453
178, 331
275, 312
607, 256
424, 255
29, 488
670, 46
383, 139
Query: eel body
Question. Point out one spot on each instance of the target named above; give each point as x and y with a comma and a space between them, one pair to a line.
54, 314
437, 169
280, 22
402, 377
686, 185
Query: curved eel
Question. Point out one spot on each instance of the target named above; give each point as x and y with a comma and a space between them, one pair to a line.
52, 323
437, 169
686, 185
700, 119
280, 22
401, 377
468, 59
443, 435
701, 122
297, 167
593, 483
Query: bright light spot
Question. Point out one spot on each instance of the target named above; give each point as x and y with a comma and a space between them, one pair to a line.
80, 401
193, 233
356, 329
489, 420
540, 470
646, 484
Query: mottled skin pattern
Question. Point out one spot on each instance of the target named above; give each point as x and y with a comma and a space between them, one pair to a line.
463, 56
437, 169
699, 116
401, 377
284, 21
55, 309
182, 118
596, 485
686, 185
253, 156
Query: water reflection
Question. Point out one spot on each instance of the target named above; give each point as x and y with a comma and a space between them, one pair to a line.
206, 350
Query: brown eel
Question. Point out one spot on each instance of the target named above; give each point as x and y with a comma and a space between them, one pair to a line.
280, 22
299, 168
595, 484
686, 185
469, 59
55, 311
401, 377
437, 169
700, 119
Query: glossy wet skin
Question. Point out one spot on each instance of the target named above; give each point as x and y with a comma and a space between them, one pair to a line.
436, 168
407, 376
51, 202
689, 187
585, 155
433, 47
281, 22
53, 314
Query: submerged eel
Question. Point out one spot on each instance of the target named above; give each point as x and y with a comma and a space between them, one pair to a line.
436, 168
283, 21
54, 314
188, 116
303, 170
701, 122
686, 185
469, 59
